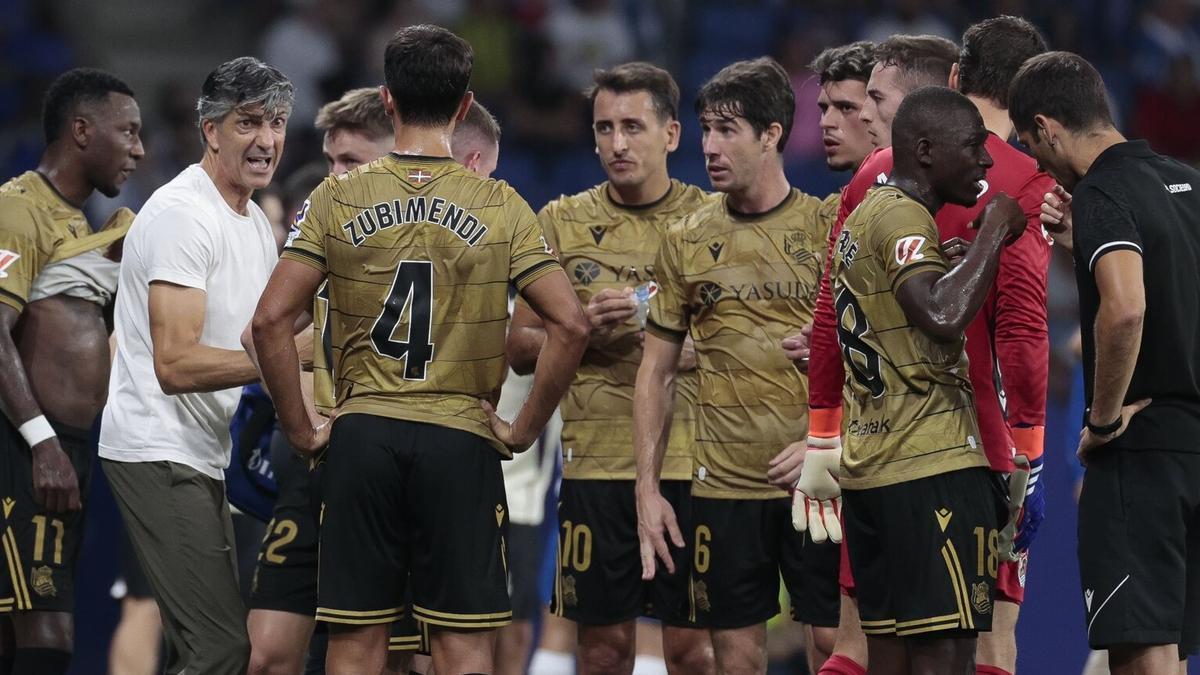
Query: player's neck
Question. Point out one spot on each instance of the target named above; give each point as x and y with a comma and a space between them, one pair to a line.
1084, 148
762, 195
652, 189
423, 141
918, 190
235, 195
995, 118
65, 175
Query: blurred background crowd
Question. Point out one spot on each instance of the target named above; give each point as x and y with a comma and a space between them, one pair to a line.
533, 59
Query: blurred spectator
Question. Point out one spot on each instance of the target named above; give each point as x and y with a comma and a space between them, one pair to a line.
1166, 115
908, 17
303, 46
491, 30
547, 113
588, 34
1166, 34
796, 51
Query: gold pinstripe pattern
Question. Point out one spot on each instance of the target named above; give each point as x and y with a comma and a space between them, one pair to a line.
454, 620
959, 584
16, 571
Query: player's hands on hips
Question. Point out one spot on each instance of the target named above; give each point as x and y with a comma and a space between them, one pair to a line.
310, 441
955, 249
1005, 214
608, 309
784, 469
1056, 216
506, 432
1033, 512
656, 522
817, 499
798, 347
1089, 441
55, 485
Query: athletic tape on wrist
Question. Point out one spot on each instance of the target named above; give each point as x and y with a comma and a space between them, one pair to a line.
36, 430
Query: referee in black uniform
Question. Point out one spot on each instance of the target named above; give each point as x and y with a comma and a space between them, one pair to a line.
1136, 243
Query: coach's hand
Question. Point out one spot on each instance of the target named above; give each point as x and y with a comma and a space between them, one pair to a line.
1056, 216
507, 432
1088, 441
798, 347
606, 310
817, 499
55, 485
656, 521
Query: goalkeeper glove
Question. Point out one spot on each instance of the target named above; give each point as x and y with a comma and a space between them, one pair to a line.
817, 499
1029, 444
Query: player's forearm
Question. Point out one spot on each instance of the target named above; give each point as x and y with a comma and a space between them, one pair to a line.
653, 400
280, 365
1118, 340
955, 299
524, 344
563, 347
199, 368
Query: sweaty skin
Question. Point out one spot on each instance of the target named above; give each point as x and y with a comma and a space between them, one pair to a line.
63, 342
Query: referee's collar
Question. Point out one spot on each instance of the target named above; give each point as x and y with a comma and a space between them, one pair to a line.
1135, 148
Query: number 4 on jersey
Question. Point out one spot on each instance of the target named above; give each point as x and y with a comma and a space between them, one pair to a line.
412, 292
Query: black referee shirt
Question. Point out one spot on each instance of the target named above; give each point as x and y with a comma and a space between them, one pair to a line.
1135, 199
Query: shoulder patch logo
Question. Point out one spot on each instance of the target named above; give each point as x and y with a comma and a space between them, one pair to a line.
420, 176
7, 258
715, 248
908, 249
598, 232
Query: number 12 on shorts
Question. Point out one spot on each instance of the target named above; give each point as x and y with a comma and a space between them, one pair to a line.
412, 294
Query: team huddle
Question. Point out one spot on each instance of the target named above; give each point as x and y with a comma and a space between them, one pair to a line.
846, 392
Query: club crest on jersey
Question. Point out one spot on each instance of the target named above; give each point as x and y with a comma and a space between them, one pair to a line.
420, 176
7, 258
908, 249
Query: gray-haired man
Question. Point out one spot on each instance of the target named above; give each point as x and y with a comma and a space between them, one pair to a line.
195, 261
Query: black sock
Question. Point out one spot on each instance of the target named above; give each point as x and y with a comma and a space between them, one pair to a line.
40, 661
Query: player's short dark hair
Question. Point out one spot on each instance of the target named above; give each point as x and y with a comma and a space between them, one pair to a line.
992, 53
480, 122
639, 76
1062, 86
241, 83
923, 60
427, 69
846, 62
359, 110
757, 90
927, 112
69, 90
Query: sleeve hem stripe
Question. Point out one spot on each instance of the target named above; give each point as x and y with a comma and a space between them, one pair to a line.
1109, 248
665, 333
913, 268
526, 277
301, 253
11, 297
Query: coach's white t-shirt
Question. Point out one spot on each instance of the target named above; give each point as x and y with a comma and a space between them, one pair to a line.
187, 235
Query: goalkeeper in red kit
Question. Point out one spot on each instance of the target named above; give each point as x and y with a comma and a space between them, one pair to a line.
1007, 343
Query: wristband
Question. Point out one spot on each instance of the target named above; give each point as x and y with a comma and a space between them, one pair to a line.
36, 430
1102, 429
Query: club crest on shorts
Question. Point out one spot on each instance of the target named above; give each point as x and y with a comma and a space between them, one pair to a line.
700, 596
908, 249
569, 597
7, 258
980, 598
42, 581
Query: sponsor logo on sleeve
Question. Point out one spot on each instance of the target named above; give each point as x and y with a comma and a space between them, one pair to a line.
7, 258
908, 249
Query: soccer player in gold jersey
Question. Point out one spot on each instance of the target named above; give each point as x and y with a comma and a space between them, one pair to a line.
54, 350
921, 508
737, 275
607, 238
419, 253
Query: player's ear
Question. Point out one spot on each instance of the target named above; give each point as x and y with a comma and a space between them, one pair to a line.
464, 107
81, 130
471, 161
389, 105
925, 152
672, 135
1046, 129
770, 136
953, 82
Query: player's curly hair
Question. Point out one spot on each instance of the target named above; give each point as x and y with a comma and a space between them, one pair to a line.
845, 62
758, 90
243, 82
992, 53
639, 76
427, 69
923, 60
358, 110
1062, 86
72, 89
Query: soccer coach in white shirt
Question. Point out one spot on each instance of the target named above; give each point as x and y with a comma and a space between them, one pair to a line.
195, 261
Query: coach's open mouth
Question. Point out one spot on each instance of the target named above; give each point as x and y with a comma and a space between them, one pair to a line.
259, 163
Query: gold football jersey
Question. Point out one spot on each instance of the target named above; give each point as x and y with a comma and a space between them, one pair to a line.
603, 244
37, 227
419, 253
324, 392
909, 408
739, 284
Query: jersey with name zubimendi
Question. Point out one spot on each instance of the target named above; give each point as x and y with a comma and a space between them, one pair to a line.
419, 252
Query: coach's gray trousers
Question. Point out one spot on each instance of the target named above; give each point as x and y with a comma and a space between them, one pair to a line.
180, 527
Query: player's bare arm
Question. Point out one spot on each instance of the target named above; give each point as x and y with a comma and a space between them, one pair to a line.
1118, 333
288, 294
526, 335
653, 399
798, 347
604, 312
942, 306
181, 363
55, 485
566, 329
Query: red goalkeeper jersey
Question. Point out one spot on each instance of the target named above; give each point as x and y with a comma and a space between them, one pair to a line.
1007, 342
